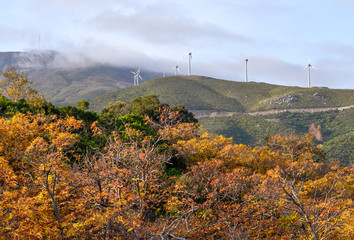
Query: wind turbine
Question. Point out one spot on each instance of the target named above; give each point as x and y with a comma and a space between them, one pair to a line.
136, 77
176, 68
189, 63
309, 66
246, 70
39, 40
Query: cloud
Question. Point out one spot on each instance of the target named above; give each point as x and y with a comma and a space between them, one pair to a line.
4, 32
162, 29
273, 70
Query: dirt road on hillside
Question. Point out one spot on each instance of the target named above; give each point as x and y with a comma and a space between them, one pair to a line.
212, 113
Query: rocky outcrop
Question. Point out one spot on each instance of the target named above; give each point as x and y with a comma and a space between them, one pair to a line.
285, 99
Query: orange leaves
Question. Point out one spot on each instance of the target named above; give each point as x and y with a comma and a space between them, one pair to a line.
7, 176
33, 149
95, 129
124, 189
18, 133
183, 131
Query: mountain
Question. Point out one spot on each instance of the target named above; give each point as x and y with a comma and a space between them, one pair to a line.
249, 112
208, 95
64, 81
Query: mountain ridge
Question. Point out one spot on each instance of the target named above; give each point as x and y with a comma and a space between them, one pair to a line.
208, 94
64, 81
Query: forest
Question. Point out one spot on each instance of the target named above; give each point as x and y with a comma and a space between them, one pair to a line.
146, 170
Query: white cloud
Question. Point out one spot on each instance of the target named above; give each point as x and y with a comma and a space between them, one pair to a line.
155, 33
161, 29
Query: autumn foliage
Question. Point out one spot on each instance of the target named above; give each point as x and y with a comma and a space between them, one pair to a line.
17, 86
172, 181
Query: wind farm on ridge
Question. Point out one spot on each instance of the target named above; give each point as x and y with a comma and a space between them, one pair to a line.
177, 71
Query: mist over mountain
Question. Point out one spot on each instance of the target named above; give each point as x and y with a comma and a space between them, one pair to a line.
67, 78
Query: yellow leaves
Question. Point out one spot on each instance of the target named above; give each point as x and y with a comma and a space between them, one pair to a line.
7, 174
202, 148
57, 125
183, 131
173, 205
38, 145
28, 131
123, 190
63, 141
32, 149
16, 86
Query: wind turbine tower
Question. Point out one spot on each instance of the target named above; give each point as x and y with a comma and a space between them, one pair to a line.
309, 66
39, 41
137, 77
246, 70
189, 63
176, 68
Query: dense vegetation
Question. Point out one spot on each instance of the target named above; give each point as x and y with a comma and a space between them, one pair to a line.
337, 129
66, 173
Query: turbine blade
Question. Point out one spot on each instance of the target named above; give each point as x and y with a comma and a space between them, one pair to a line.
314, 67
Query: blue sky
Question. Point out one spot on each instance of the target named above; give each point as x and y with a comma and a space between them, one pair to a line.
277, 35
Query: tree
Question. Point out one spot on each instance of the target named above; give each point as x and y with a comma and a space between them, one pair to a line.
118, 108
34, 192
16, 86
146, 105
121, 188
83, 105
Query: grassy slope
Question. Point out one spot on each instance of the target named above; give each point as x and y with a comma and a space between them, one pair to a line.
193, 94
202, 93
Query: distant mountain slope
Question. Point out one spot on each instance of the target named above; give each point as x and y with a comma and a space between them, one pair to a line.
208, 94
193, 94
66, 83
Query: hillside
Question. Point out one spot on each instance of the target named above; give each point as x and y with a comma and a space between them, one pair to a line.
337, 129
64, 82
249, 112
203, 93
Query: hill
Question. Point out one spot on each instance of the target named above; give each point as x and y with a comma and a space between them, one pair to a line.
65, 82
337, 129
249, 112
208, 94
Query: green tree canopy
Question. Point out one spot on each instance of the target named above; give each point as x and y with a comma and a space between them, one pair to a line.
83, 105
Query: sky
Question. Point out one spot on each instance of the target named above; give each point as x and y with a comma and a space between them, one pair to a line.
278, 36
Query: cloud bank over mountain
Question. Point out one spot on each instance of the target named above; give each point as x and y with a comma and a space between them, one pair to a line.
155, 34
